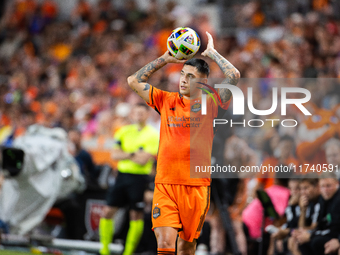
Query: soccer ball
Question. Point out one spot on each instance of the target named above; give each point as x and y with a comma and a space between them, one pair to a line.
183, 43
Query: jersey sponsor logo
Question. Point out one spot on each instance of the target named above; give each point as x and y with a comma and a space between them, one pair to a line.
196, 107
156, 212
183, 122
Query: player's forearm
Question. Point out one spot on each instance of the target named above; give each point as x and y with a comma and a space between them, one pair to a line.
145, 72
138, 80
120, 155
231, 73
311, 227
142, 158
302, 219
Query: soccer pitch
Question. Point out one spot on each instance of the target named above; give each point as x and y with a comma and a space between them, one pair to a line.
4, 252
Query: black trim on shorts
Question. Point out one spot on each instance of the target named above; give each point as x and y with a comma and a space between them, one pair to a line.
202, 218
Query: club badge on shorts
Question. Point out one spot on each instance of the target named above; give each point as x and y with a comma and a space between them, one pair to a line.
156, 212
196, 107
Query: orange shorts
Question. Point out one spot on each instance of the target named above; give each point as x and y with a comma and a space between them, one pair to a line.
182, 207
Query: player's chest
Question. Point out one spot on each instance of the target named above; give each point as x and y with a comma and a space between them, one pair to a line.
179, 116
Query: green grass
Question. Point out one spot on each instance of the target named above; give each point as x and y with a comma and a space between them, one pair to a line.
3, 252
11, 252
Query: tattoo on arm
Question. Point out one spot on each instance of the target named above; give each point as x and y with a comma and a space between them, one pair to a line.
231, 73
225, 94
135, 90
145, 72
146, 87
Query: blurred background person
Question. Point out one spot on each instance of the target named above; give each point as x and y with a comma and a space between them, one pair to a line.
328, 226
135, 150
292, 214
332, 150
309, 202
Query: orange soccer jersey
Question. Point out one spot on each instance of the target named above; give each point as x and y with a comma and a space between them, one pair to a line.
186, 137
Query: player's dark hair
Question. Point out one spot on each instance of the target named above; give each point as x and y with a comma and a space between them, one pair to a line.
200, 64
142, 105
311, 178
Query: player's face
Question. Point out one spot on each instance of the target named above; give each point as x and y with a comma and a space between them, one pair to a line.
188, 73
294, 189
328, 187
140, 114
308, 190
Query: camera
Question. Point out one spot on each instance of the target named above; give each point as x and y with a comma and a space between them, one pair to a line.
12, 161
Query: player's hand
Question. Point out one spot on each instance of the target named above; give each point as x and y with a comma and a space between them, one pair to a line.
302, 236
294, 200
170, 59
303, 203
332, 246
210, 47
279, 234
141, 157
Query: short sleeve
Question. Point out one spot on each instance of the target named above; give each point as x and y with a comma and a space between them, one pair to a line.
225, 105
217, 108
156, 97
118, 138
152, 143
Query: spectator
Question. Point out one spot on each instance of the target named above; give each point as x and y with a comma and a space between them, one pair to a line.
283, 155
292, 214
309, 202
328, 226
84, 159
253, 213
332, 149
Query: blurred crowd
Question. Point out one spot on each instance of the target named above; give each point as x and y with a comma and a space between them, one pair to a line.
71, 73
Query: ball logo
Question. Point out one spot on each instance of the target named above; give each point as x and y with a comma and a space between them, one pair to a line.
156, 212
189, 39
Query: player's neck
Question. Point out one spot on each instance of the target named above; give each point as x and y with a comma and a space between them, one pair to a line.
141, 125
192, 97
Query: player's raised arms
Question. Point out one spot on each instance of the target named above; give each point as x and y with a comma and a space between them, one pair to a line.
138, 81
231, 73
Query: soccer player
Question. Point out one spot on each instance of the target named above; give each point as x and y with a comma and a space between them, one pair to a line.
180, 203
136, 147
